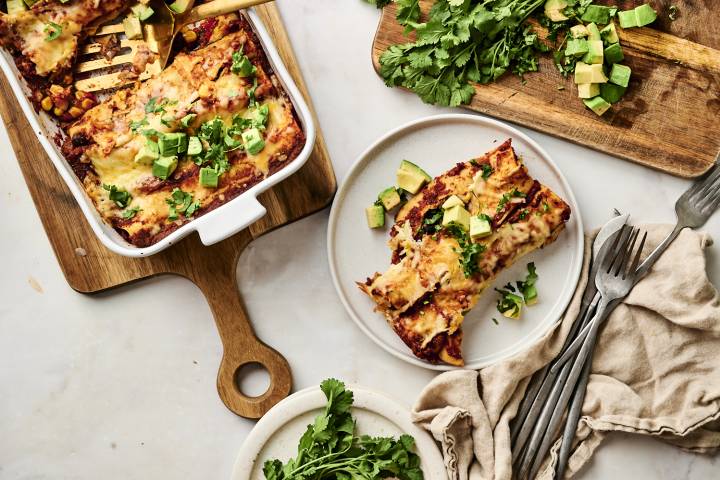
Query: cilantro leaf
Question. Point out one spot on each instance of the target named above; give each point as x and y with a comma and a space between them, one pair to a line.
52, 31
120, 196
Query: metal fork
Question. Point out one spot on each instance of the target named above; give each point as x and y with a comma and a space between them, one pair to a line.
614, 280
692, 210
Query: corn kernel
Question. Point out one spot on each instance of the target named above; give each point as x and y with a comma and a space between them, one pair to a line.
46, 104
75, 112
58, 112
204, 91
87, 104
189, 35
56, 89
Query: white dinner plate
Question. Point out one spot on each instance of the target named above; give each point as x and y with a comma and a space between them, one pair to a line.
276, 435
436, 144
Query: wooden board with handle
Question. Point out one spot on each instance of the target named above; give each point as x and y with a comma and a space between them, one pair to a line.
89, 267
669, 116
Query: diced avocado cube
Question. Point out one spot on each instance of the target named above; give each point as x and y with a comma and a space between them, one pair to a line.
597, 105
132, 27
480, 226
179, 6
614, 54
142, 11
579, 31
554, 8
148, 153
593, 32
375, 215
609, 34
597, 75
15, 6
582, 73
164, 167
390, 198
627, 19
452, 201
411, 178
253, 141
620, 75
172, 143
596, 14
594, 53
194, 146
611, 93
577, 47
188, 119
209, 177
645, 15
457, 215
588, 90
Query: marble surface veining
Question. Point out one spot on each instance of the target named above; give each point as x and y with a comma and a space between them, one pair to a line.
121, 385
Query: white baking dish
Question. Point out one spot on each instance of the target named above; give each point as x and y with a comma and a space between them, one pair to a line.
214, 226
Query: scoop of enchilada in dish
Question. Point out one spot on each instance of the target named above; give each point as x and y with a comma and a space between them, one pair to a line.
439, 269
212, 125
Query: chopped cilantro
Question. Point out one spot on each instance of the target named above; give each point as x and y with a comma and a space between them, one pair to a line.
120, 196
509, 303
52, 31
523, 214
130, 213
527, 287
182, 202
487, 170
241, 65
469, 251
135, 125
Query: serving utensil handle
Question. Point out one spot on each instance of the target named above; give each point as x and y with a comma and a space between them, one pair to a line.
218, 7
217, 279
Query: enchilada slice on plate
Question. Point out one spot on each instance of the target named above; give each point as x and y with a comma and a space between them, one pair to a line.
438, 273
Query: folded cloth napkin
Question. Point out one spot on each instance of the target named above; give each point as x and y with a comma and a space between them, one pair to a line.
655, 371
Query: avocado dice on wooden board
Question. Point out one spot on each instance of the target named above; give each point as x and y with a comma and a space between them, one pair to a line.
614, 54
620, 75
588, 90
597, 105
611, 93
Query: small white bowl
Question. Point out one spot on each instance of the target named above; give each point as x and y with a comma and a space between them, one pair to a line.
277, 434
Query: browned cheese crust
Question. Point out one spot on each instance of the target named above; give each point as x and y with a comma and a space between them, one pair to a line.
101, 146
425, 294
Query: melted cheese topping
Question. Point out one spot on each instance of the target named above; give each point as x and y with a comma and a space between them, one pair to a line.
426, 294
197, 83
28, 30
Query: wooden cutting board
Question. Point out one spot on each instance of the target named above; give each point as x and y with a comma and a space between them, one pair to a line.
670, 115
89, 267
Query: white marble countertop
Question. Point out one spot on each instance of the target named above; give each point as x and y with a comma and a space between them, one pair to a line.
121, 385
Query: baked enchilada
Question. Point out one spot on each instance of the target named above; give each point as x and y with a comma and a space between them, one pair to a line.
160, 153
439, 270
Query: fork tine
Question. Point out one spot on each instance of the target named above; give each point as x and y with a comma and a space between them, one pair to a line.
627, 255
706, 184
709, 197
715, 203
636, 261
619, 248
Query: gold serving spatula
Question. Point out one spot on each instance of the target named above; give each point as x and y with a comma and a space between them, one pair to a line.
159, 31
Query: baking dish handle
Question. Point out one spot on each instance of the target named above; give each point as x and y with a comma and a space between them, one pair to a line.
229, 219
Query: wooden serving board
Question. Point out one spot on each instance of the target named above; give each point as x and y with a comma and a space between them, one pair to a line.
89, 267
670, 114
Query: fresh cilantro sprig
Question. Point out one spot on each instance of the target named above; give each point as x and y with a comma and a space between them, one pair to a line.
462, 42
469, 251
512, 298
329, 449
181, 202
120, 196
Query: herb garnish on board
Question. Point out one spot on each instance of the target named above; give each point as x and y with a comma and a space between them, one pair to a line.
329, 449
462, 41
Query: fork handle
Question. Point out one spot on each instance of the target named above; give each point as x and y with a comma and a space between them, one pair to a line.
647, 264
218, 7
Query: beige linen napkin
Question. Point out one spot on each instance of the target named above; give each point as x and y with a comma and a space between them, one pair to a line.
655, 371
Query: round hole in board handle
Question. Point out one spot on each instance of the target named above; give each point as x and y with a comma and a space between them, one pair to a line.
252, 379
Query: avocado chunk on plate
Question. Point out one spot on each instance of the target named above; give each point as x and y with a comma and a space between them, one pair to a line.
148, 153
457, 215
452, 201
390, 198
375, 215
480, 226
411, 178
